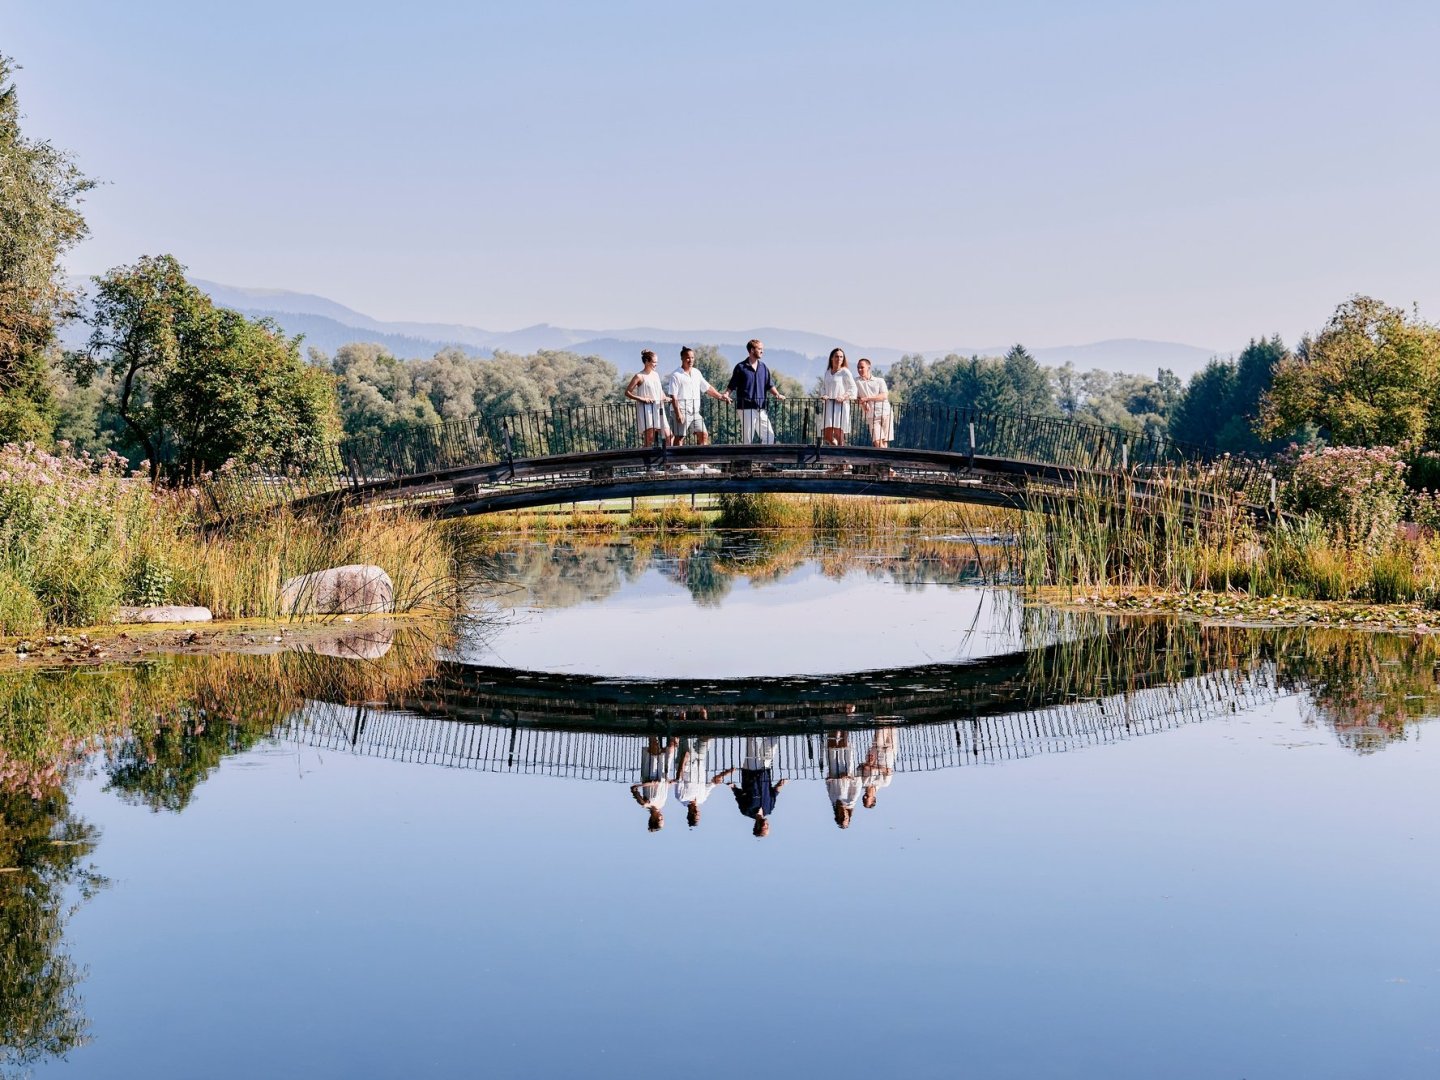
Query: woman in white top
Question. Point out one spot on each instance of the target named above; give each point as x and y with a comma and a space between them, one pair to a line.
837, 390
874, 401
657, 763
649, 396
879, 766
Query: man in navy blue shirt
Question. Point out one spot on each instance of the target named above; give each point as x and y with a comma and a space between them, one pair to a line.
757, 791
750, 383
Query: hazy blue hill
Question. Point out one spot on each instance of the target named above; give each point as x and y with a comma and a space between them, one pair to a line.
800, 353
283, 302
327, 335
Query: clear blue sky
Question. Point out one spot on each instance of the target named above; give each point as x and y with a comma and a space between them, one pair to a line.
920, 175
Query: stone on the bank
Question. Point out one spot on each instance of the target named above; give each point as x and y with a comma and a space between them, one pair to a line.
162, 614
342, 590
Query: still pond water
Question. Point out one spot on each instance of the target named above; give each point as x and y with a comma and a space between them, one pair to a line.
994, 841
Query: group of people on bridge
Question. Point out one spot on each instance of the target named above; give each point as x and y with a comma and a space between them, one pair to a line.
750, 388
682, 763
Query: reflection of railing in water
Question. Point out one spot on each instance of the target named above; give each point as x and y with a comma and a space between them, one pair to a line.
615, 756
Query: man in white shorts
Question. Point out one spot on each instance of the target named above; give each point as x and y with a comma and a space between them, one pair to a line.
687, 386
751, 383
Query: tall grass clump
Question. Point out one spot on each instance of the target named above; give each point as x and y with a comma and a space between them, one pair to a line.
760, 510
238, 574
1181, 529
80, 536
1337, 539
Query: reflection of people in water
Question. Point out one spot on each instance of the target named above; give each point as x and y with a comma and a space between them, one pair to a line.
842, 779
657, 763
878, 768
692, 783
756, 793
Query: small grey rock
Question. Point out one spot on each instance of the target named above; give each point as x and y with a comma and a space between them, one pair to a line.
166, 613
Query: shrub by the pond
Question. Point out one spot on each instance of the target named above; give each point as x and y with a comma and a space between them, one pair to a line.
66, 524
1359, 493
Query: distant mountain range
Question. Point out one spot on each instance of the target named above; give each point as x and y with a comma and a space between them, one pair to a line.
327, 325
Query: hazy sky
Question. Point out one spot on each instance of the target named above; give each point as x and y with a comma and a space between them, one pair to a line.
918, 175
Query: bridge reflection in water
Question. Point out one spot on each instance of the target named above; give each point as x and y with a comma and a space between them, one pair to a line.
1063, 697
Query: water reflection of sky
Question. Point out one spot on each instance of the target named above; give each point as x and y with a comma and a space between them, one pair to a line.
1237, 898
1244, 892
801, 621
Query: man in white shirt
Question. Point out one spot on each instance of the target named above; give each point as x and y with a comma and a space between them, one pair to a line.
687, 386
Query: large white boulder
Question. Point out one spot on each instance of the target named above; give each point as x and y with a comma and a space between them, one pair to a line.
164, 613
342, 590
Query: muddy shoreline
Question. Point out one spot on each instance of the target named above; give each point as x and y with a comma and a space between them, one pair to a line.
361, 637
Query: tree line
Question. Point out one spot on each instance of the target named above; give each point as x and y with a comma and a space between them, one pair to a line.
168, 377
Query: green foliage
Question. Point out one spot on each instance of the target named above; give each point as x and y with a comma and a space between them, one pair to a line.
1015, 383
380, 395
1221, 406
40, 192
44, 849
1370, 378
20, 610
195, 385
250, 398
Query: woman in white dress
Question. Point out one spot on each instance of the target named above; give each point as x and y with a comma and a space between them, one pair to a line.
879, 766
837, 390
874, 401
649, 396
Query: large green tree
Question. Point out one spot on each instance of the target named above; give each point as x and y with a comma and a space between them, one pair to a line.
40, 193
197, 385
1369, 378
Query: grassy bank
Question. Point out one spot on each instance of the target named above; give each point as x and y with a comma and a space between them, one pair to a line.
1095, 543
80, 537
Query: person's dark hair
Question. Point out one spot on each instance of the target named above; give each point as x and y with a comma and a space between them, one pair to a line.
830, 363
685, 349
647, 354
692, 815
863, 360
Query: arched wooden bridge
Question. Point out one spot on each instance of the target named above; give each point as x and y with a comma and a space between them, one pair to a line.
505, 462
